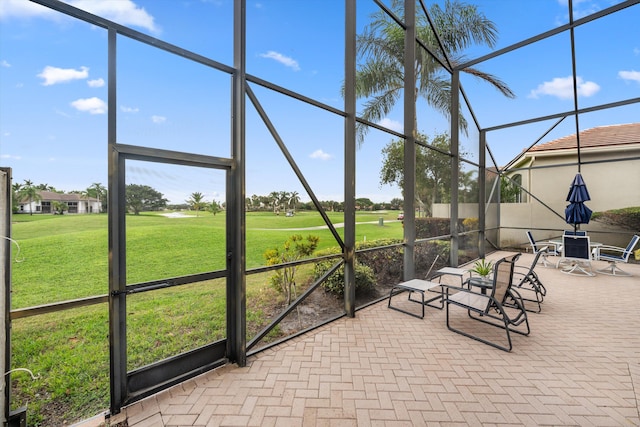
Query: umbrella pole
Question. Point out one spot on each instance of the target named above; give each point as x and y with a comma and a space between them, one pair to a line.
575, 83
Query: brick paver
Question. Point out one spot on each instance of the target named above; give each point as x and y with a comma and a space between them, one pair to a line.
579, 366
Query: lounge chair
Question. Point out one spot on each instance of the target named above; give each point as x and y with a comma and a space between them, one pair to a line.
489, 307
526, 281
614, 255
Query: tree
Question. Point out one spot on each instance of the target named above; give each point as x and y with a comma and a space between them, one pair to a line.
509, 190
15, 196
364, 203
380, 48
396, 203
255, 201
433, 169
293, 249
214, 207
46, 187
196, 201
468, 187
29, 192
98, 191
294, 199
142, 197
275, 198
60, 207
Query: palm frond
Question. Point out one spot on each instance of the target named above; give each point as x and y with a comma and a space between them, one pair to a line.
493, 80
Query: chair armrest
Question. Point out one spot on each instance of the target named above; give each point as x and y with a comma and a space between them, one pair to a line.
553, 247
462, 289
607, 249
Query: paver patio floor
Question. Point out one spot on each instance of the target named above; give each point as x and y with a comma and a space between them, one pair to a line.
580, 366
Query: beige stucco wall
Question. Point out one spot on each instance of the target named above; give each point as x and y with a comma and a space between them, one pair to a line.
611, 185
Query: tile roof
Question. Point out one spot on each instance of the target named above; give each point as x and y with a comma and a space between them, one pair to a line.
596, 137
61, 197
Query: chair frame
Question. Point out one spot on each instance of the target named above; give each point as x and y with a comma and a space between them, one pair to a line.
613, 259
489, 308
576, 249
526, 279
547, 250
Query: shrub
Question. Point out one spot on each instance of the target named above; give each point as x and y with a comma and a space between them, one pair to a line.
295, 248
365, 277
626, 218
433, 227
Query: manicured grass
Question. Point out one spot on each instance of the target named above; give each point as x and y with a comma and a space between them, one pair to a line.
66, 257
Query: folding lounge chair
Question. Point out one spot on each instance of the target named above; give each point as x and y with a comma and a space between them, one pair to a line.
614, 255
526, 281
489, 308
549, 249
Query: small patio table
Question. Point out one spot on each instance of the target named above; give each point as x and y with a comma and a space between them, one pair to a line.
483, 283
420, 286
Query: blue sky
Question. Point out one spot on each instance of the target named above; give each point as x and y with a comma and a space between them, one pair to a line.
53, 91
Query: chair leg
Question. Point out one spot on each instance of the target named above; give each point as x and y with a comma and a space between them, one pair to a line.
578, 268
484, 341
614, 270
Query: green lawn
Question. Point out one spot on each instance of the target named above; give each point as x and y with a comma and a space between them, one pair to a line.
66, 257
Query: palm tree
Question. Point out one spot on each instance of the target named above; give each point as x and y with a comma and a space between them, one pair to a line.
15, 196
274, 199
214, 207
196, 201
98, 191
381, 46
294, 198
29, 192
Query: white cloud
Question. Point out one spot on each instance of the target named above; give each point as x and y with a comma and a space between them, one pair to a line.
562, 87
158, 119
285, 60
636, 51
581, 8
91, 105
630, 75
23, 9
9, 156
391, 124
126, 109
5, 64
124, 12
54, 75
96, 83
319, 154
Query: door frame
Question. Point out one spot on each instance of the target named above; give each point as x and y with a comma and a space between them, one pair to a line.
130, 386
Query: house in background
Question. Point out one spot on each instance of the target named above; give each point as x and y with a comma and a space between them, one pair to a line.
76, 203
609, 187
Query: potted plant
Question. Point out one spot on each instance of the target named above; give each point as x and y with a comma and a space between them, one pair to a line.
482, 267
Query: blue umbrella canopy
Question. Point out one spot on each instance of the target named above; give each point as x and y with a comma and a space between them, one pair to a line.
578, 191
577, 212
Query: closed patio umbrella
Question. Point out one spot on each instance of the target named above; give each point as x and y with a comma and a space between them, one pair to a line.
577, 212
